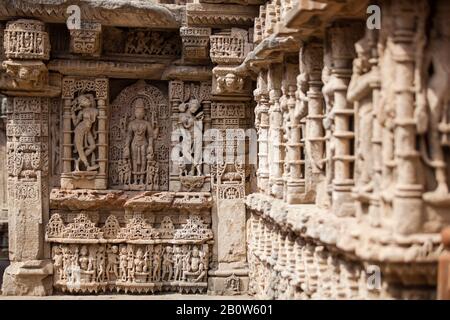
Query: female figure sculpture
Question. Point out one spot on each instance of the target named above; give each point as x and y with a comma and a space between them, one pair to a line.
84, 115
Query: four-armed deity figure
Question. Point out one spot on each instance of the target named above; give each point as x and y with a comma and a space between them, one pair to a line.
84, 115
139, 143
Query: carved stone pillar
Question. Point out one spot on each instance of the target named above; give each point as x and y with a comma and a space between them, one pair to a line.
295, 183
276, 158
262, 127
230, 115
314, 140
343, 36
407, 203
27, 133
28, 172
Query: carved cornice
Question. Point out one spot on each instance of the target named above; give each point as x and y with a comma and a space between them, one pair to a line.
219, 15
310, 17
241, 2
138, 13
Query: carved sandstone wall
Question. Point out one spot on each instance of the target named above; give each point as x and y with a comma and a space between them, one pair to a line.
117, 136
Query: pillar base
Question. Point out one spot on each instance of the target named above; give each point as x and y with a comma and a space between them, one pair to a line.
228, 282
30, 278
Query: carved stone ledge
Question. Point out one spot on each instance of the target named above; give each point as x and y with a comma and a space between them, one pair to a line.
217, 15
61, 199
87, 199
123, 13
189, 201
128, 70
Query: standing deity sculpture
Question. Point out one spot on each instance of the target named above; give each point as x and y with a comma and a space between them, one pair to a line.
113, 262
434, 125
84, 115
190, 120
139, 147
167, 264
360, 93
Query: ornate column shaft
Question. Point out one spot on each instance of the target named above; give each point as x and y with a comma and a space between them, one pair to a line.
343, 36
276, 161
27, 131
315, 139
262, 126
407, 203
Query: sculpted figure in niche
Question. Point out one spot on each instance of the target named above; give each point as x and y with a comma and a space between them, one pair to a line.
58, 263
190, 119
197, 265
84, 259
139, 144
84, 115
157, 264
113, 262
178, 264
123, 264
167, 268
360, 91
139, 261
434, 125
100, 263
148, 261
66, 263
131, 267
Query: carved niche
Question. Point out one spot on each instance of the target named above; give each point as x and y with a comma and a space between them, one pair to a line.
191, 119
139, 139
84, 133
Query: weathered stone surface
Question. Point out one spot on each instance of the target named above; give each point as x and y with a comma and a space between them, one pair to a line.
283, 149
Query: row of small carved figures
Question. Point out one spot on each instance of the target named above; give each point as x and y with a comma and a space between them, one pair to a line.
151, 263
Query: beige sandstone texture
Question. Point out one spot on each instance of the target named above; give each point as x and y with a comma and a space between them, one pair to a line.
273, 149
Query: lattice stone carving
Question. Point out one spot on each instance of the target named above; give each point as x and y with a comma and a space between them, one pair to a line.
26, 39
87, 39
139, 137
